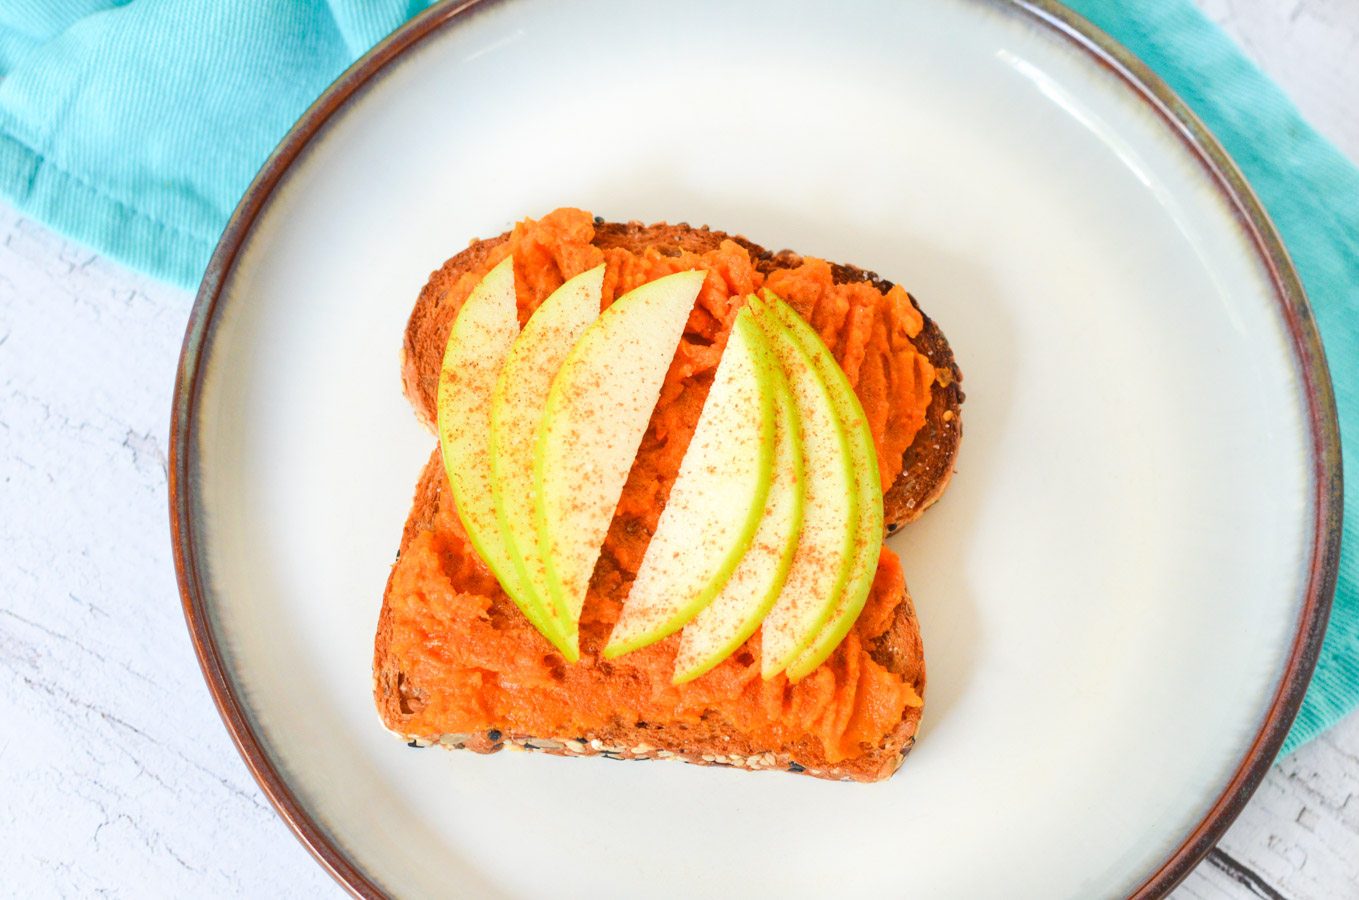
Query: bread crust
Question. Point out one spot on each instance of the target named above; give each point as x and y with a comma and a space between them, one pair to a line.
927, 464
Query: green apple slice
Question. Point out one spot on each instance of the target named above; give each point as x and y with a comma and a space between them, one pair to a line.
821, 563
596, 414
737, 610
478, 343
516, 409
869, 526
716, 503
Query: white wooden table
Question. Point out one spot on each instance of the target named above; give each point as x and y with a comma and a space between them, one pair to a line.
116, 777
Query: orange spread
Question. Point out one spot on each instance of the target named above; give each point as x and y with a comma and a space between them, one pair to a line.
455, 630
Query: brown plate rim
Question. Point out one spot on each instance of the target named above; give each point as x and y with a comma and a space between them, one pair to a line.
1324, 429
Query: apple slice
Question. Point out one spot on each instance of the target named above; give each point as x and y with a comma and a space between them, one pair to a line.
869, 526
478, 343
516, 409
734, 614
716, 502
820, 566
596, 413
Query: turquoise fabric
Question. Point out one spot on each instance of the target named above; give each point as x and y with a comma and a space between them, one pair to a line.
135, 127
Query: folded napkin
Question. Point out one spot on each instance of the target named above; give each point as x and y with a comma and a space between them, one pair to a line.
135, 127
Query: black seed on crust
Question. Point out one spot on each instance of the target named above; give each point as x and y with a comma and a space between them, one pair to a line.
794, 767
416, 744
493, 735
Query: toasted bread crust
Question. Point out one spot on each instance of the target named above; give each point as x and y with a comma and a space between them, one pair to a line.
708, 743
927, 463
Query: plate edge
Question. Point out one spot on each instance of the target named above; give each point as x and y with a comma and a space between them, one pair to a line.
1310, 357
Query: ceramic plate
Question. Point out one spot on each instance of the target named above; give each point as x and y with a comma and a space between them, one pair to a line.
1121, 594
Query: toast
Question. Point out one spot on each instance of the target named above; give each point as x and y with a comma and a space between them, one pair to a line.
411, 663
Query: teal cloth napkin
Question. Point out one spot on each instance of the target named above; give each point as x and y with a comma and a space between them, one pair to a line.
135, 127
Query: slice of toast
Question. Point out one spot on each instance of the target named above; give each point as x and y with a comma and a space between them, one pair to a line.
410, 665
708, 742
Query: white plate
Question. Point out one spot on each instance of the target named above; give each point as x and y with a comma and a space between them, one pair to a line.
1118, 594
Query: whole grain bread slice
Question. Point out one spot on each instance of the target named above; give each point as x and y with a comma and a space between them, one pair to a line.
709, 742
927, 464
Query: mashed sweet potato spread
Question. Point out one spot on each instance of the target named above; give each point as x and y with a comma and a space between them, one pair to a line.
483, 666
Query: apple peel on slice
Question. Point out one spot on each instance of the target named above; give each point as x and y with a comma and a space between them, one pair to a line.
717, 500
821, 563
596, 414
516, 411
481, 337
737, 610
868, 529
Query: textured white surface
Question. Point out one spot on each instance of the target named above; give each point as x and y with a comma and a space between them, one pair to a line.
116, 776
